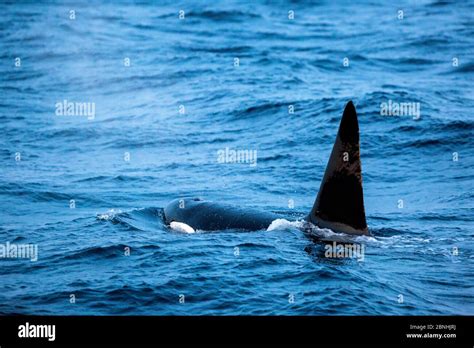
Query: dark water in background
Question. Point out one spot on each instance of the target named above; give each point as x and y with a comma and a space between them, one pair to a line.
191, 63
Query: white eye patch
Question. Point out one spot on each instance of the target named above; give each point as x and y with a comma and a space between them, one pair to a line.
181, 227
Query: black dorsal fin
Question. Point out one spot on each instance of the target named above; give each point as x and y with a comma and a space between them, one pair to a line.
340, 201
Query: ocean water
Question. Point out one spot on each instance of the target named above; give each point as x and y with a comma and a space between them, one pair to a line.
86, 190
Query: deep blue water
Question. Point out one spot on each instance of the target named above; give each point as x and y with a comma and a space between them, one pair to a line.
190, 62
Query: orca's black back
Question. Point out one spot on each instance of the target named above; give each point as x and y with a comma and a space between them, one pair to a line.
211, 216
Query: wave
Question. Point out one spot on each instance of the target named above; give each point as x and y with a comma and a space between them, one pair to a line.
139, 219
223, 16
463, 68
98, 252
117, 178
268, 108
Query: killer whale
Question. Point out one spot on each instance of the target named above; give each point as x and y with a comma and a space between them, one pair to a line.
339, 204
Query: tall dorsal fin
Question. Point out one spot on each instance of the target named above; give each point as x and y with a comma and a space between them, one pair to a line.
340, 201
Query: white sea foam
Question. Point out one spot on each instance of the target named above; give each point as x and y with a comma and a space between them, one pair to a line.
322, 233
283, 224
108, 215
